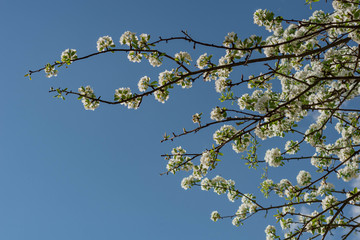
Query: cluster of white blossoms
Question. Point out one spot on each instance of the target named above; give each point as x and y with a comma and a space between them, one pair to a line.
310, 197
244, 101
178, 161
218, 114
230, 39
161, 95
247, 207
203, 61
284, 188
50, 71
266, 186
218, 183
270, 232
259, 101
221, 84
320, 161
292, 147
134, 56
349, 172
196, 118
288, 209
68, 56
88, 98
144, 84
144, 38
266, 18
242, 143
224, 134
183, 57
154, 60
273, 157
128, 38
303, 178
104, 43
166, 77
325, 188
188, 182
328, 202
207, 159
354, 195
124, 95
215, 216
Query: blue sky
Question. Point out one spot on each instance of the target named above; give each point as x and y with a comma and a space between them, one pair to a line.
67, 173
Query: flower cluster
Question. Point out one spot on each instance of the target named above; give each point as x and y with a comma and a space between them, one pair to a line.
241, 144
218, 114
154, 59
144, 84
273, 157
215, 216
104, 43
188, 182
128, 38
303, 178
179, 162
266, 18
292, 147
207, 159
125, 97
196, 118
88, 98
68, 56
203, 61
247, 207
161, 95
183, 57
50, 71
270, 232
220, 186
328, 202
224, 134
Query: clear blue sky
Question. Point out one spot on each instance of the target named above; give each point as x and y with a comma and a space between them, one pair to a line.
67, 173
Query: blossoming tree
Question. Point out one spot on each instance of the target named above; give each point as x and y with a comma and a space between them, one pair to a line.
311, 65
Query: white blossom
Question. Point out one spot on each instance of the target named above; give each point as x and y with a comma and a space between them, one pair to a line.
188, 182
273, 157
202, 61
215, 216
206, 184
104, 43
144, 83
50, 71
220, 85
68, 55
217, 114
183, 57
270, 232
303, 178
224, 134
292, 147
128, 38
154, 60
328, 202
88, 98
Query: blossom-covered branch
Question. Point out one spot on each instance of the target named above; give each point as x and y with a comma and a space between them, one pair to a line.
311, 75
